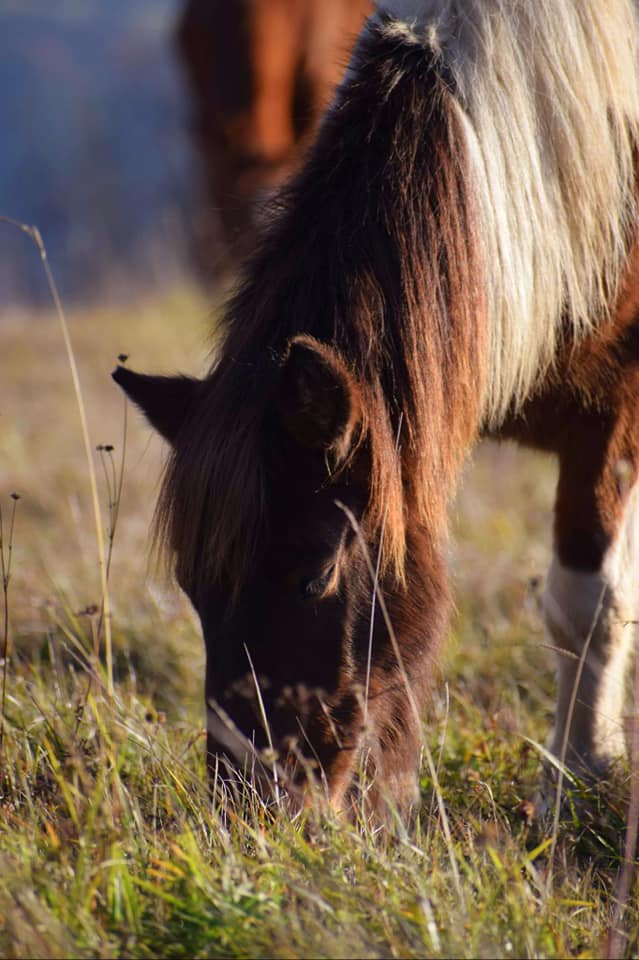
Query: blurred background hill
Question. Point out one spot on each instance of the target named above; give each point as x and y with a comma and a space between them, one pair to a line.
94, 147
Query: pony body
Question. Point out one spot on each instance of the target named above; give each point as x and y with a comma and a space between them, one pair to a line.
455, 256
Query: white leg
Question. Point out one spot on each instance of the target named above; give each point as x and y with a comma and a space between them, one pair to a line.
593, 612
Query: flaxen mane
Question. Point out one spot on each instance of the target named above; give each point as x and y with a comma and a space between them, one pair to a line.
463, 210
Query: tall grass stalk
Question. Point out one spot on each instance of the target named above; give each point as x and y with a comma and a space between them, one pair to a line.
266, 724
371, 629
34, 234
561, 766
411, 700
5, 572
114, 480
617, 938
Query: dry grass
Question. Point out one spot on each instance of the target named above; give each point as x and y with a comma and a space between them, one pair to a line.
108, 843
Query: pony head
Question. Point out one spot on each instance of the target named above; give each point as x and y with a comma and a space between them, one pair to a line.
266, 514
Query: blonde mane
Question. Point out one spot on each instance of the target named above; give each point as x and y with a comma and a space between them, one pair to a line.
548, 94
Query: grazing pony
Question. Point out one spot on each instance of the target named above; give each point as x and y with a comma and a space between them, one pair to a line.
457, 257
260, 74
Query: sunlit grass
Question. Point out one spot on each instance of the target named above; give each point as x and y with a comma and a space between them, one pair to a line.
109, 842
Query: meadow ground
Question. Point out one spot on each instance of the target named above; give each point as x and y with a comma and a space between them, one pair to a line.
109, 845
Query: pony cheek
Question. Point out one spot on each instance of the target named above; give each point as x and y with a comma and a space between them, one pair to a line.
253, 644
225, 639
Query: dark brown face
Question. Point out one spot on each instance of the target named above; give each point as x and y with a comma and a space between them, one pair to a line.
285, 645
291, 631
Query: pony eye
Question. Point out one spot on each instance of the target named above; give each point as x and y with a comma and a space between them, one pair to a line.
313, 588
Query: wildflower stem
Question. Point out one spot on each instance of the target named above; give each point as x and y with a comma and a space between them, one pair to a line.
34, 233
5, 572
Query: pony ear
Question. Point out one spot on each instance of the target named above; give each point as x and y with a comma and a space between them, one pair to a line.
318, 399
163, 400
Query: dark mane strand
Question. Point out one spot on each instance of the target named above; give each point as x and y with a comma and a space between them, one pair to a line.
374, 250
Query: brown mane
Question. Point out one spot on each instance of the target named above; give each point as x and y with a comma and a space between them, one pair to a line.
374, 250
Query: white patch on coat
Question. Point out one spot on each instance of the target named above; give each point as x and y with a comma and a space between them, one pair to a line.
595, 609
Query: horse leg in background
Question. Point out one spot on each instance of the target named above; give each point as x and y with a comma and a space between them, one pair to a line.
591, 593
333, 27
275, 41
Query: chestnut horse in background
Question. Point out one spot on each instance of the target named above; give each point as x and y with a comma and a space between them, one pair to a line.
458, 256
260, 74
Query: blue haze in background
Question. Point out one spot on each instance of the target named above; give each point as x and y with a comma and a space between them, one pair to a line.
93, 147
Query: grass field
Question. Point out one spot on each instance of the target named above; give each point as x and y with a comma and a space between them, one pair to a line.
108, 843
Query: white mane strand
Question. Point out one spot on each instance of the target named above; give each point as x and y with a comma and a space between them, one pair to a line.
548, 94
